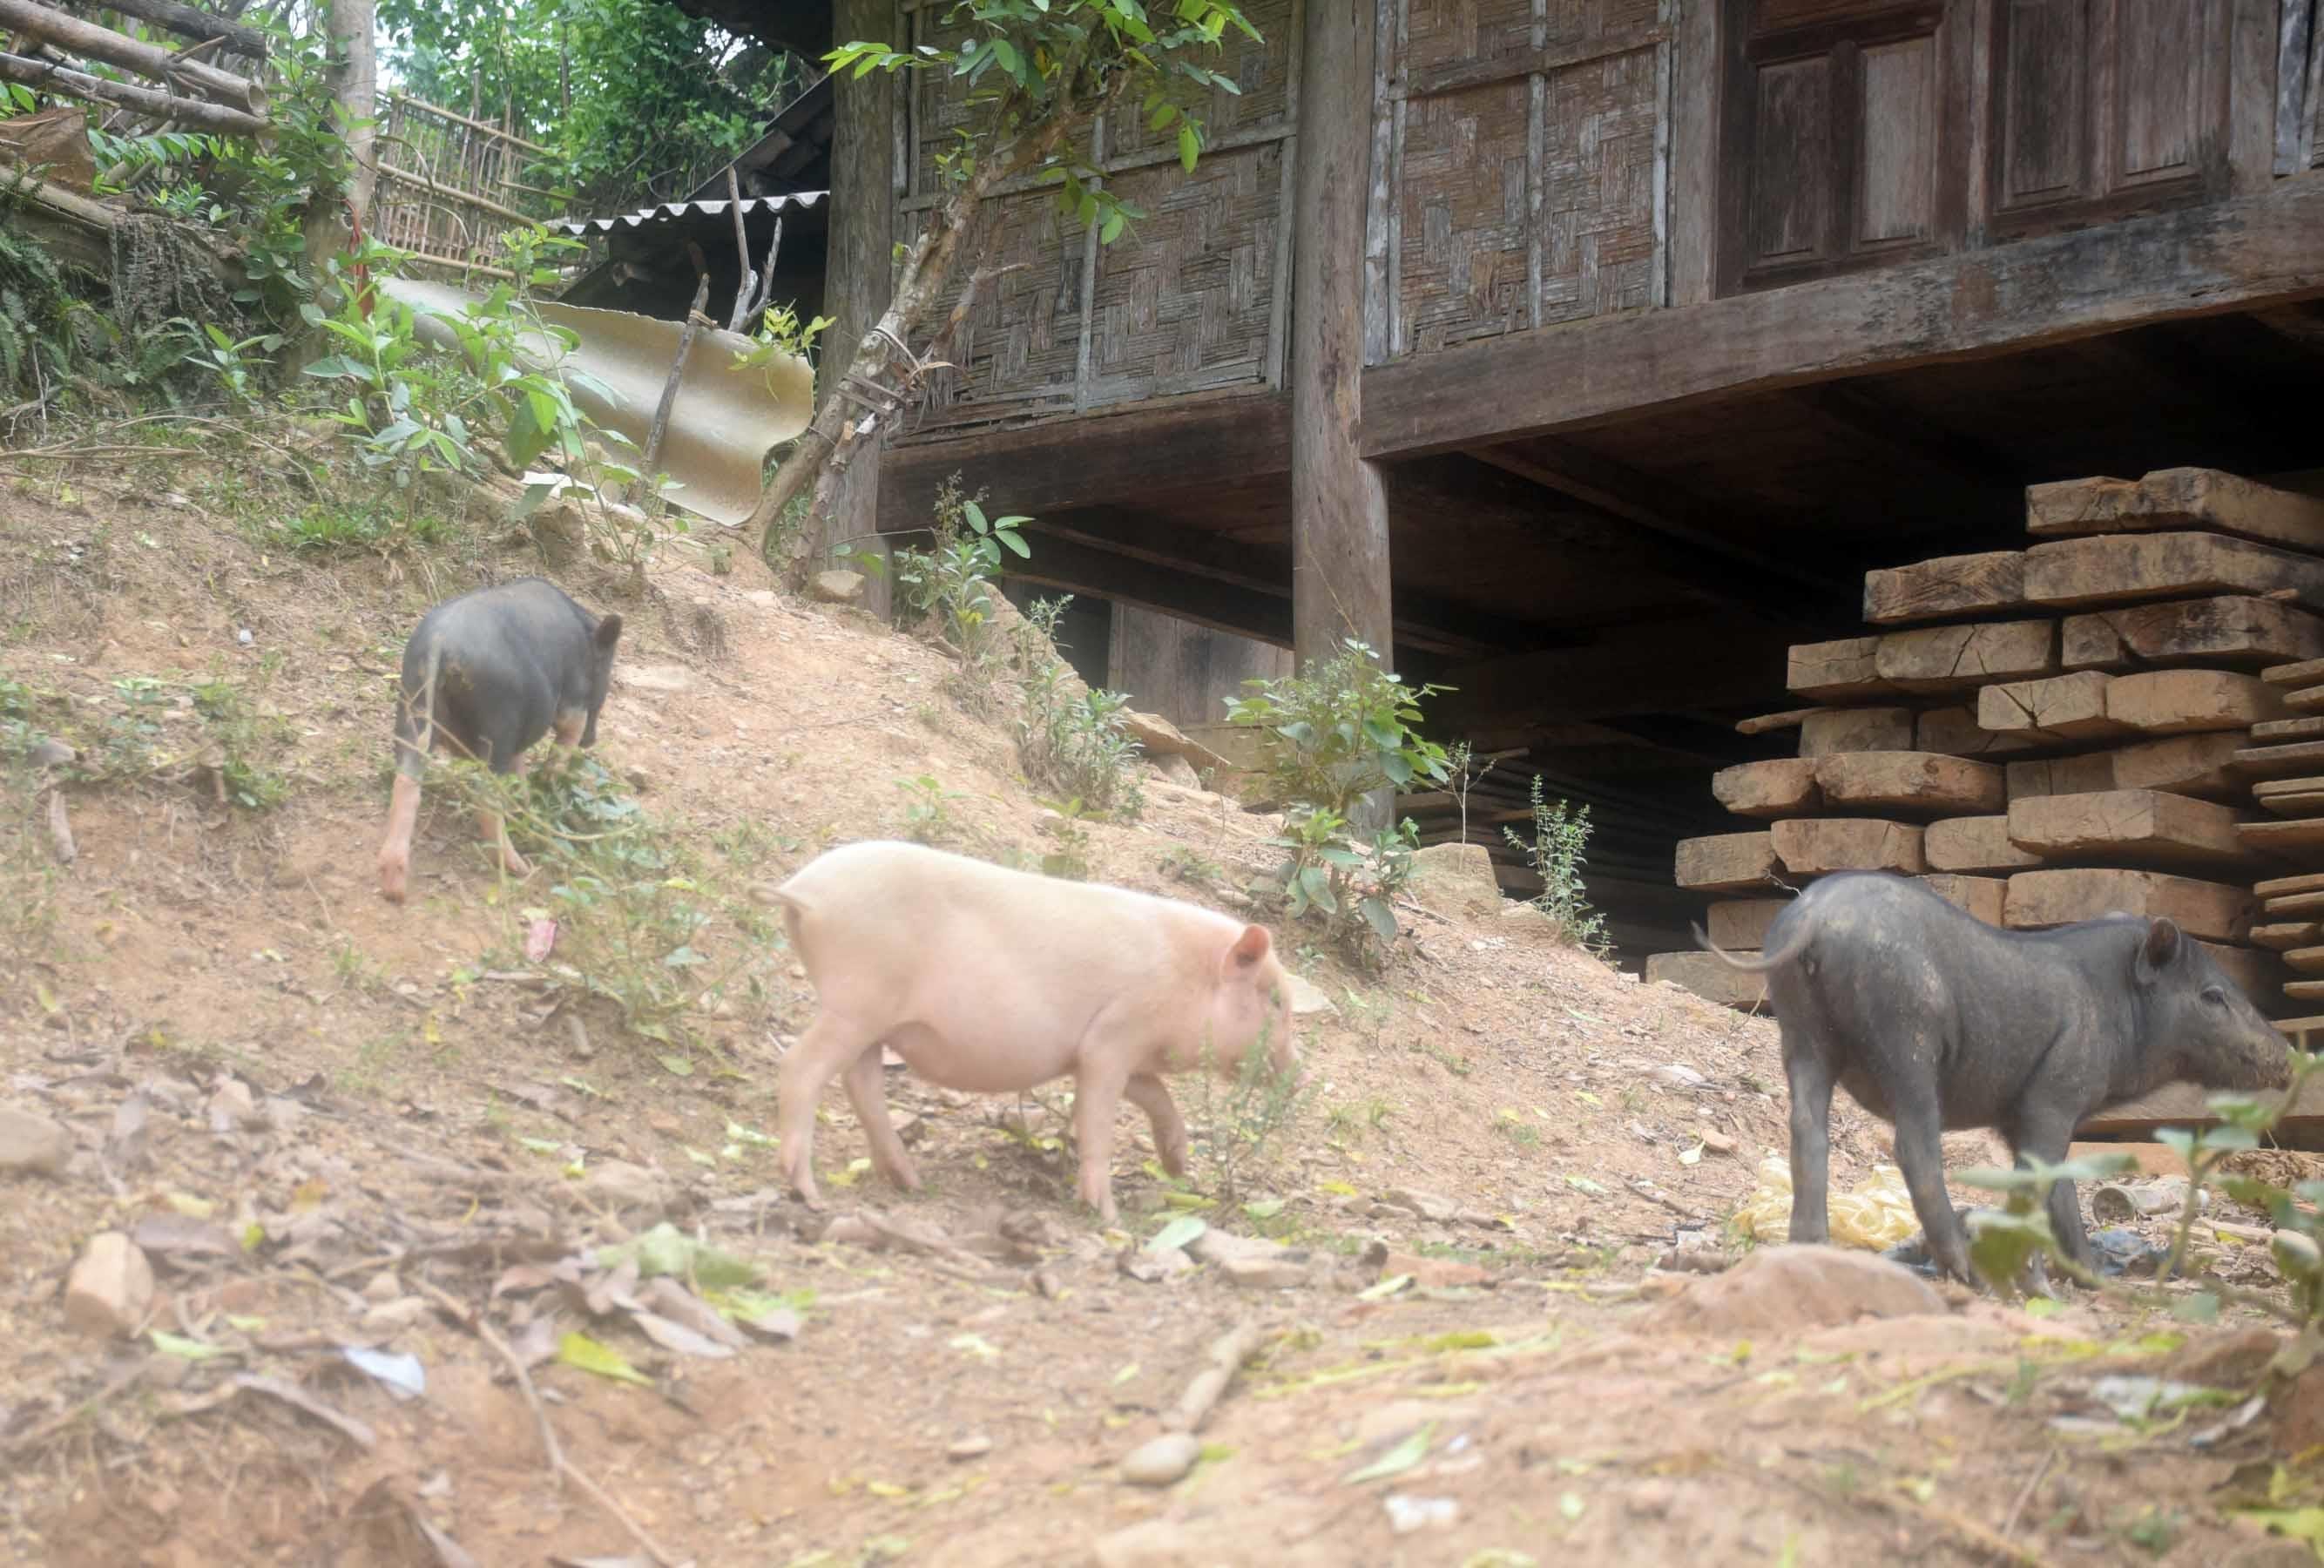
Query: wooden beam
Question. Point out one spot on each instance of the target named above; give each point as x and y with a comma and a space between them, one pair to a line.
1712, 565
1339, 505
200, 113
1151, 449
1638, 671
2242, 254
1076, 567
150, 61
187, 23
1980, 472
1422, 620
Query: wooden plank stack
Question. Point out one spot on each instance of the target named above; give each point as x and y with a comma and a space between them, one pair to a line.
2048, 735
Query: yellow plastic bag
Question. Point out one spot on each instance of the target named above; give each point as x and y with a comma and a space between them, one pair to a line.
1876, 1216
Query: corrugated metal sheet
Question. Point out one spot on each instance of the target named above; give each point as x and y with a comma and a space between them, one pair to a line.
666, 211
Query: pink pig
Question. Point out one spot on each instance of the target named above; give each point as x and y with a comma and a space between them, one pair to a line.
996, 980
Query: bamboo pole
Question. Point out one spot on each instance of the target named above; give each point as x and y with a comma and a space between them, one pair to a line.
187, 23
72, 84
149, 60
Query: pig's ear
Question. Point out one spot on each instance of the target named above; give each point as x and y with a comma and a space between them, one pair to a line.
2161, 946
1251, 946
609, 631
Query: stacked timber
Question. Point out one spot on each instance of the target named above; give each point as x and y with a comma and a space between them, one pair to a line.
2049, 735
2284, 763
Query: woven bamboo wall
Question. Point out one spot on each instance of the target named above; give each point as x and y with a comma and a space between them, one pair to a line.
1194, 298
1527, 148
449, 186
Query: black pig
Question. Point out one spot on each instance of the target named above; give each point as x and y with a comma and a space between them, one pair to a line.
1935, 1021
490, 672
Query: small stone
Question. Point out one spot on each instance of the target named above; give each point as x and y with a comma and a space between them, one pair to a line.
975, 1445
1651, 1500
837, 587
1717, 1142
1216, 1246
1163, 1460
1427, 1205
1307, 999
391, 1316
1456, 879
111, 1288
383, 1286
50, 752
33, 1143
1177, 770
639, 778
1678, 1075
631, 1189
762, 597
663, 1122
1046, 1281
232, 1106
1408, 1514
1263, 1273
1152, 1267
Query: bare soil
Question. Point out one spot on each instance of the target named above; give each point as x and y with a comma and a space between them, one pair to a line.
362, 1123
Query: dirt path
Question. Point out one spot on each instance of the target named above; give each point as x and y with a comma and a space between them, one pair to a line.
334, 1123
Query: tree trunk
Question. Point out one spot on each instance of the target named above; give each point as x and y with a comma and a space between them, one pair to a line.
354, 82
858, 263
1339, 507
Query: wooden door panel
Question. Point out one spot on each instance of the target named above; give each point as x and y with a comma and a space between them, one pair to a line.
1792, 191
1901, 108
2159, 91
2045, 68
1837, 119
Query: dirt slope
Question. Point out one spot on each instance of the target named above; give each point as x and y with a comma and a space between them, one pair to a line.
324, 1111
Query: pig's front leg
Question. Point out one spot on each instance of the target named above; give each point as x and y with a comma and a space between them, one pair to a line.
1810, 1079
1921, 1152
1152, 1096
867, 1092
2044, 1134
830, 1043
1097, 1093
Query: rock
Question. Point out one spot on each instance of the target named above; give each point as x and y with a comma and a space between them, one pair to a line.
1717, 1142
232, 1106
1427, 1205
1779, 1289
632, 1190
2297, 1409
33, 1143
50, 752
1215, 1246
1263, 1273
1434, 1273
1456, 879
1163, 1460
1307, 999
1161, 738
1177, 770
837, 587
110, 1290
653, 677
1148, 1543
383, 1286
975, 1445
1152, 1267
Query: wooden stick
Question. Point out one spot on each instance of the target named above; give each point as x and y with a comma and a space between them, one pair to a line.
669, 388
147, 60
50, 76
474, 1321
766, 289
741, 252
389, 172
1228, 1353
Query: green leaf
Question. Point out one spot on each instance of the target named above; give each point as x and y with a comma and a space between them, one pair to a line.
1110, 230
1008, 536
2200, 1307
1189, 147
185, 1350
1379, 918
676, 1067
1397, 1459
975, 516
1006, 53
578, 1349
1264, 1208
1176, 1233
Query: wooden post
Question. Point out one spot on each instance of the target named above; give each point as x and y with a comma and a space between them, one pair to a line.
859, 266
1339, 507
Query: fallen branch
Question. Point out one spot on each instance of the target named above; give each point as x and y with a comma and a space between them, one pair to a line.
60, 834
1228, 1353
660, 426
52, 77
741, 252
187, 23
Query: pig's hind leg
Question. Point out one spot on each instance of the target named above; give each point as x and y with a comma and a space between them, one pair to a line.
867, 1092
832, 1042
1152, 1096
1808, 1072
